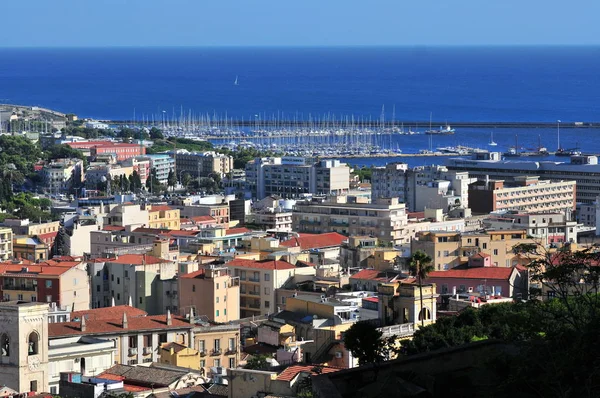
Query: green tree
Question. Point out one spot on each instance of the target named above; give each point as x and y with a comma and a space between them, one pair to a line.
186, 179
156, 134
171, 179
135, 182
365, 342
420, 267
257, 362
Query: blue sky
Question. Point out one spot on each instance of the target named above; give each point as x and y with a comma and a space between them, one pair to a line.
298, 22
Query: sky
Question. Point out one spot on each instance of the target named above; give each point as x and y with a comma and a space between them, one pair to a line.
105, 23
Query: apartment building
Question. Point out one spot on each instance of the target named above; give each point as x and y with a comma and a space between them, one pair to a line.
258, 281
129, 278
127, 215
26, 227
164, 217
100, 174
584, 170
218, 344
140, 165
202, 164
586, 213
432, 187
6, 243
401, 304
163, 164
291, 177
62, 175
546, 228
271, 219
524, 193
210, 291
450, 249
218, 211
385, 219
63, 283
121, 150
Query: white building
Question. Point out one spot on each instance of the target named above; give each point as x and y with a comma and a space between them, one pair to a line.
94, 124
292, 177
162, 163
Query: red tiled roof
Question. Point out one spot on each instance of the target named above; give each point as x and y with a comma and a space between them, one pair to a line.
268, 264
11, 269
161, 208
416, 214
315, 241
178, 232
371, 299
115, 312
192, 275
201, 219
115, 325
374, 275
137, 259
482, 255
501, 273
291, 372
235, 231
113, 228
49, 235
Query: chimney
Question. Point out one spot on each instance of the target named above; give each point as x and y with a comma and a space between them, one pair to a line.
169, 319
130, 302
82, 328
112, 302
125, 323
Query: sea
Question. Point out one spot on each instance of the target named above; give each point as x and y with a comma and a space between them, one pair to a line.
449, 84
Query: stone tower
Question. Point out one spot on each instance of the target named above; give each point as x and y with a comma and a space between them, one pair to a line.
24, 346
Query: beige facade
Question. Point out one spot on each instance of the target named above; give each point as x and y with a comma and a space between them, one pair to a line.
164, 217
401, 304
24, 346
218, 345
449, 249
348, 215
179, 355
210, 291
202, 164
63, 174
6, 244
127, 215
220, 212
271, 219
26, 227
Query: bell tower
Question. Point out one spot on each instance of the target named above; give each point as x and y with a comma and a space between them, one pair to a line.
24, 346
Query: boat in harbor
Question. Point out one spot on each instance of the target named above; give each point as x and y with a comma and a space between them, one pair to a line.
447, 130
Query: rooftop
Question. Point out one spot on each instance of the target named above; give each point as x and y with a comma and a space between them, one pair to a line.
291, 372
136, 259
117, 312
315, 241
500, 273
115, 326
375, 275
264, 264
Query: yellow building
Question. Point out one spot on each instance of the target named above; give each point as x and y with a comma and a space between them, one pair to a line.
179, 355
218, 345
401, 304
382, 259
30, 248
6, 244
164, 217
449, 249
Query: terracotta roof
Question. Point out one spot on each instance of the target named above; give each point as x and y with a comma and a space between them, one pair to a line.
115, 326
315, 241
49, 235
291, 372
481, 254
161, 208
156, 231
144, 376
176, 346
203, 219
178, 232
375, 275
265, 264
501, 273
192, 275
113, 228
235, 231
32, 270
371, 299
137, 259
115, 312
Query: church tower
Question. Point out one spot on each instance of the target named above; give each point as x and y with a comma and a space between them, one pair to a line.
24, 346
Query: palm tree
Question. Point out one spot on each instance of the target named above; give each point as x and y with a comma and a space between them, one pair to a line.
420, 267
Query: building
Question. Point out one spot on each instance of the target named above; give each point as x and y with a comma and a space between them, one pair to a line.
122, 151
202, 164
65, 284
258, 281
369, 279
525, 193
179, 355
30, 248
23, 346
163, 164
218, 344
94, 124
162, 216
128, 215
586, 214
129, 278
63, 175
584, 170
292, 177
210, 291
218, 211
484, 280
549, 229
271, 219
323, 307
349, 215
140, 165
400, 304
97, 176
6, 243
26, 227
450, 249
432, 187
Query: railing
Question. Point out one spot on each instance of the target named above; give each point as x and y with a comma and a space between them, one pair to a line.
19, 287
202, 353
231, 350
216, 352
253, 279
148, 350
405, 329
133, 351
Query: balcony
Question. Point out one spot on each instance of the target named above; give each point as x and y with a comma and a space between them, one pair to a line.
257, 280
216, 352
133, 351
231, 350
148, 350
30, 288
202, 353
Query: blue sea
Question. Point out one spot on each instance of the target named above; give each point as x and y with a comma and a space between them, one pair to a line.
451, 83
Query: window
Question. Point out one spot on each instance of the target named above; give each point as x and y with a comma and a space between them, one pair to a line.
132, 341
48, 284
33, 342
112, 277
193, 288
201, 345
267, 277
140, 300
225, 311
97, 288
4, 345
495, 252
484, 245
75, 281
266, 290
267, 304
217, 343
231, 345
202, 363
446, 253
33, 385
217, 299
147, 340
19, 297
75, 293
53, 390
97, 273
444, 289
217, 363
162, 338
231, 363
49, 299
33, 299
126, 274
118, 296
118, 281
217, 312
217, 286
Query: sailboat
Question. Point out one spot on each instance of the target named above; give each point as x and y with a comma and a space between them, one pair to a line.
235, 83
492, 143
